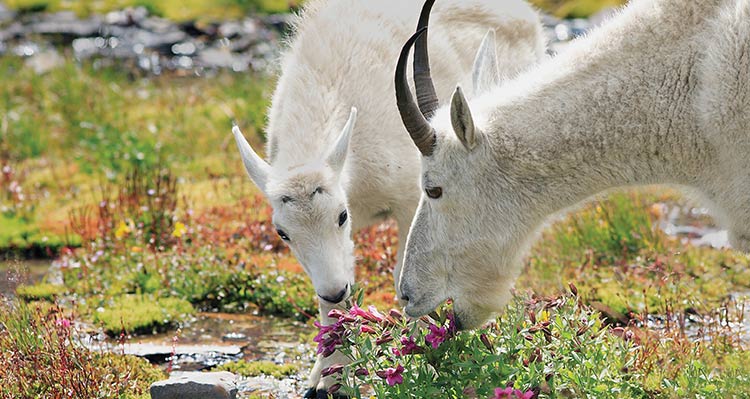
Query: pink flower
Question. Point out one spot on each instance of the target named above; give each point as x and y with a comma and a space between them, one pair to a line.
65, 323
367, 329
503, 393
436, 336
510, 393
393, 376
357, 311
524, 395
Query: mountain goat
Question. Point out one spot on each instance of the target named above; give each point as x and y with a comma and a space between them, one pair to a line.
331, 169
659, 94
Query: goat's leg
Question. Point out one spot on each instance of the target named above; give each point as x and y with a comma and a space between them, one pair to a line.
317, 386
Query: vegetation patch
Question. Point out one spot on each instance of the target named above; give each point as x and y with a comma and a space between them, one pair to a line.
40, 292
553, 347
141, 313
41, 357
258, 368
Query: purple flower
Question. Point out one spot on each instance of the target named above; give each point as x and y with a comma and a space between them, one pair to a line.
393, 376
410, 346
436, 336
329, 337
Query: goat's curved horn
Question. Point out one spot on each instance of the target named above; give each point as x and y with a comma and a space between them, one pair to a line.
419, 129
426, 96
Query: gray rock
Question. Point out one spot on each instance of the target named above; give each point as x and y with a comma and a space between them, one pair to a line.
66, 23
6, 14
196, 385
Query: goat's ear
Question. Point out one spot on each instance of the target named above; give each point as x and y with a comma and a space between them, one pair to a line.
485, 73
256, 167
337, 156
463, 123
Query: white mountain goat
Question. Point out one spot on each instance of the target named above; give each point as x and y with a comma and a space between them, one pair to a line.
660, 94
332, 170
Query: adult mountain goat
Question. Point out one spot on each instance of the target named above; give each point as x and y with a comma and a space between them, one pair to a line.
331, 169
660, 94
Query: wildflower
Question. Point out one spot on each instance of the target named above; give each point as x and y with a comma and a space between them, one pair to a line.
436, 336
357, 311
361, 372
486, 341
384, 339
136, 249
179, 230
367, 329
523, 395
65, 323
329, 337
395, 314
503, 393
335, 369
393, 376
334, 388
409, 346
122, 230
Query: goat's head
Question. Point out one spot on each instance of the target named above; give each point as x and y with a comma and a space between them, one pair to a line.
452, 251
310, 212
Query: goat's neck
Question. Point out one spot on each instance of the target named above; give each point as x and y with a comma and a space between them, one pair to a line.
617, 110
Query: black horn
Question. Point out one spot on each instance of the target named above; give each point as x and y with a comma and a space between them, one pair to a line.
426, 96
419, 129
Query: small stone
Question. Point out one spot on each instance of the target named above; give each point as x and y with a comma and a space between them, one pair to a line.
196, 385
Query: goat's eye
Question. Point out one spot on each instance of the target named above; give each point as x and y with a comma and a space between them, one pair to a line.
342, 218
434, 192
282, 235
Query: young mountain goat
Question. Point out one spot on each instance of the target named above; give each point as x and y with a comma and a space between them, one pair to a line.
660, 94
324, 182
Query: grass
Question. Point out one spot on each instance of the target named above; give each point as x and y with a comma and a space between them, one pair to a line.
133, 183
172, 9
41, 357
232, 9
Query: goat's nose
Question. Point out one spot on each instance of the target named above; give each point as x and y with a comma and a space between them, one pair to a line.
337, 297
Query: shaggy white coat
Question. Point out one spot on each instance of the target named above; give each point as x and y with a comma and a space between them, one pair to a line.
659, 94
342, 56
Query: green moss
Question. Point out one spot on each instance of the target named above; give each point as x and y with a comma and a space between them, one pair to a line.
41, 291
142, 313
254, 369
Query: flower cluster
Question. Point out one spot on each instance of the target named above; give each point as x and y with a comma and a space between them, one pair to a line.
510, 393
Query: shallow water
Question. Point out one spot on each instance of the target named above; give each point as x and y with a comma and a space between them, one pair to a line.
16, 272
211, 339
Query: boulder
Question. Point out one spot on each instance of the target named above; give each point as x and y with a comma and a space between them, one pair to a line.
196, 385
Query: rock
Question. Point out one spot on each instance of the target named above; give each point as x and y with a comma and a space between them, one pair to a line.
127, 17
66, 23
6, 14
45, 61
196, 385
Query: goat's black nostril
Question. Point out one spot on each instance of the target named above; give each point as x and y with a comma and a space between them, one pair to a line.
336, 299
405, 298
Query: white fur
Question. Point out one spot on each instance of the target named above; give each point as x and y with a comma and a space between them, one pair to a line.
660, 94
343, 55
